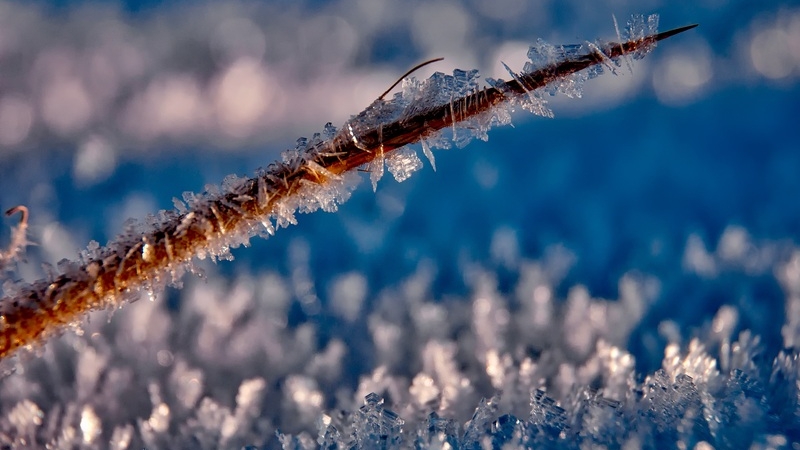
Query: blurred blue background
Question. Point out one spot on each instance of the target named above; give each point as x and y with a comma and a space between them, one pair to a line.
108, 110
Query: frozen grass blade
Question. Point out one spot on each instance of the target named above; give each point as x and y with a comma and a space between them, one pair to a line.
319, 173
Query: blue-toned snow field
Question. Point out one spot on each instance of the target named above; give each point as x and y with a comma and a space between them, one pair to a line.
625, 274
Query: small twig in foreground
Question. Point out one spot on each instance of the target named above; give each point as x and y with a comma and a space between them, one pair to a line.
318, 174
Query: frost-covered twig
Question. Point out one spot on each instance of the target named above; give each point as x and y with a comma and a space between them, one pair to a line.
318, 173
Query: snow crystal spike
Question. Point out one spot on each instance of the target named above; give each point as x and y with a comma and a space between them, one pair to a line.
219, 219
619, 36
19, 238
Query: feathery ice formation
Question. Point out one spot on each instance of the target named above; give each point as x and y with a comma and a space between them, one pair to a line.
318, 173
404, 365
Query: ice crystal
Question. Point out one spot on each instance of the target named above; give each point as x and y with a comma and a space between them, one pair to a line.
426, 150
544, 54
440, 433
640, 26
377, 427
375, 169
481, 422
402, 163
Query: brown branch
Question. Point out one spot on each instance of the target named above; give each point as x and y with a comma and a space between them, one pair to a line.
152, 257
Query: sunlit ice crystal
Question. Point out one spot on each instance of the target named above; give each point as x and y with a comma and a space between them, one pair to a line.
638, 28
440, 432
478, 126
375, 169
426, 150
329, 437
549, 420
439, 89
532, 101
543, 54
602, 420
438, 140
403, 162
674, 406
376, 426
739, 412
480, 425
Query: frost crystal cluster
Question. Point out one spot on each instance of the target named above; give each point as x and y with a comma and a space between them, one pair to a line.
521, 367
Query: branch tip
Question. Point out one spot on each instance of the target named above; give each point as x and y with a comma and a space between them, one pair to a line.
21, 209
667, 34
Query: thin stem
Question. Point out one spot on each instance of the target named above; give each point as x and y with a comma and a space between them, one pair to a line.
409, 72
158, 255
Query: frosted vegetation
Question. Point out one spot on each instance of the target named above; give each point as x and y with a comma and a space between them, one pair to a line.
399, 367
316, 174
518, 355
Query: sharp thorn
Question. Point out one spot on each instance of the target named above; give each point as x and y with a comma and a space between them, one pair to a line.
666, 34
